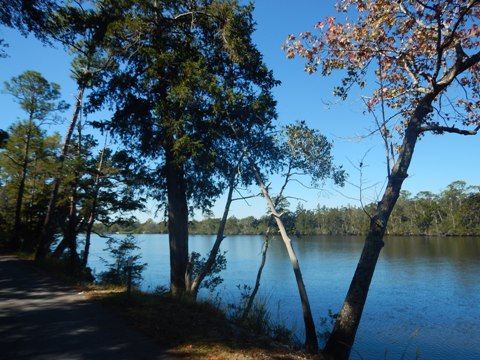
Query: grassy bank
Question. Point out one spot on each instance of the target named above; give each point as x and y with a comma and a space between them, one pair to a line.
191, 330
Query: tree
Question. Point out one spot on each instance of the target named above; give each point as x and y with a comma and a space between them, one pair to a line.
40, 100
26, 15
25, 177
304, 152
3, 138
92, 208
452, 199
428, 212
81, 32
427, 71
95, 187
125, 267
215, 261
184, 69
470, 214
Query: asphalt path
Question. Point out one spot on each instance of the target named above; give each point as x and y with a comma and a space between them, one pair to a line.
43, 319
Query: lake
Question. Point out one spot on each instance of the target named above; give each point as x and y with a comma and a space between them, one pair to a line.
424, 301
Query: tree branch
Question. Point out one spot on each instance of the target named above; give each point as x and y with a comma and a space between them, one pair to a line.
447, 129
462, 64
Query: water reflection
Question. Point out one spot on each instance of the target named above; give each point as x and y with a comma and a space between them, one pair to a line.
458, 249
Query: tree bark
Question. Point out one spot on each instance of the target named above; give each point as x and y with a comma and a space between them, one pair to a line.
177, 222
340, 342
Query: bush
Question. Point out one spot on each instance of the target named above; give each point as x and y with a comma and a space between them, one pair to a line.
122, 252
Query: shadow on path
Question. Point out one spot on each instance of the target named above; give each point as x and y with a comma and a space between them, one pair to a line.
42, 319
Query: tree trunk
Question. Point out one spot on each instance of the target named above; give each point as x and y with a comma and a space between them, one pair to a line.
48, 229
16, 236
69, 240
266, 244
71, 234
61, 247
194, 286
256, 287
177, 223
340, 342
311, 342
93, 210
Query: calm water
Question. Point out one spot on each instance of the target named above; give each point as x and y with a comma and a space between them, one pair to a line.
424, 300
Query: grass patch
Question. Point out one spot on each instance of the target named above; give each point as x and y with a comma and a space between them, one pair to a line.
191, 330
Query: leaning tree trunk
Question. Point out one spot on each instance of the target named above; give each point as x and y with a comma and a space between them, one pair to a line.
311, 342
341, 340
48, 229
256, 287
93, 209
193, 286
266, 244
71, 234
177, 223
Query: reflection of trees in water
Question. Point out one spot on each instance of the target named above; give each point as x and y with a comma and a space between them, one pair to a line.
458, 249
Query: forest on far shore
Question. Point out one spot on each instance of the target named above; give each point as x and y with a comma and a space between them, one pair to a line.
453, 212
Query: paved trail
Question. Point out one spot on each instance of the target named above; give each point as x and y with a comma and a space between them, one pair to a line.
41, 319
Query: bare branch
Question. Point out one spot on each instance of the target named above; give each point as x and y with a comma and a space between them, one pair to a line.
245, 198
303, 185
446, 129
192, 13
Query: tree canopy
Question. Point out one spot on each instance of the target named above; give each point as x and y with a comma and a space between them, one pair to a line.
415, 49
185, 71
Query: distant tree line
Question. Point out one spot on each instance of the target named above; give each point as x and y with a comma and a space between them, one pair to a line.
455, 211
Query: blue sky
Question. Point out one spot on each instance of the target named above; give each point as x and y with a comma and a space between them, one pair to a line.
438, 160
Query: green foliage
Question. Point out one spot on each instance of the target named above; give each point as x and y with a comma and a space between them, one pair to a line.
213, 279
27, 15
176, 90
29, 172
36, 96
124, 261
309, 153
39, 99
3, 138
